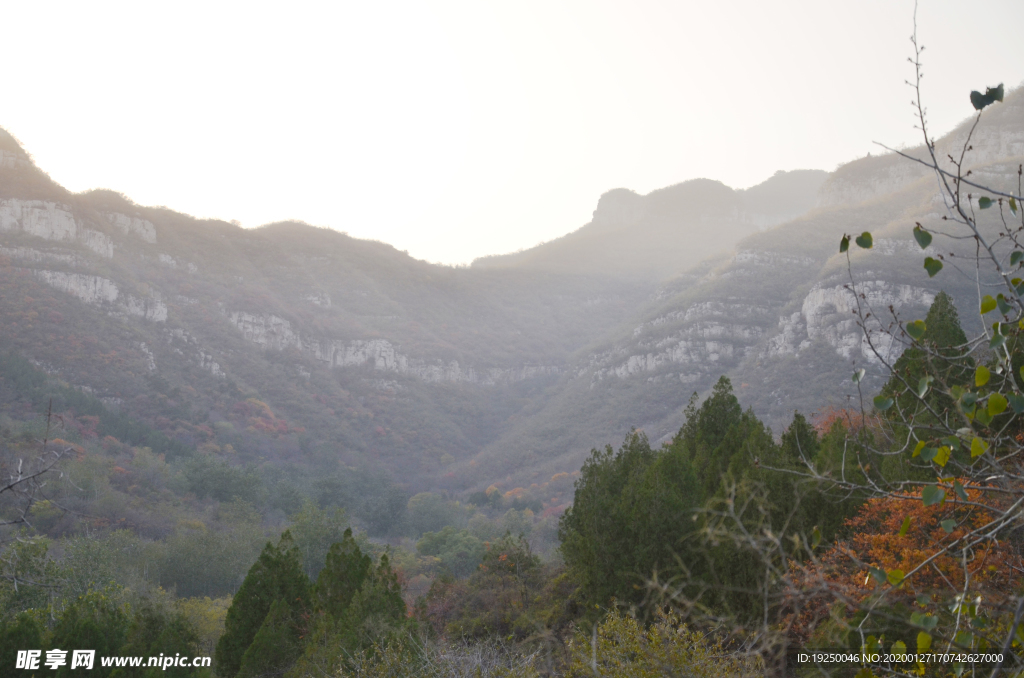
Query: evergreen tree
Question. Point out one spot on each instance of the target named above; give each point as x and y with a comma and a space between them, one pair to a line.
276, 645
631, 510
93, 622
20, 633
277, 574
346, 568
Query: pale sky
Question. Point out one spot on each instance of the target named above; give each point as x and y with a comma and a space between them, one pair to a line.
458, 129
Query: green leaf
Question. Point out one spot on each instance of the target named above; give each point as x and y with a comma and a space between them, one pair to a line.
978, 447
982, 375
899, 647
815, 537
923, 237
984, 203
1016, 402
933, 266
858, 375
932, 494
864, 240
1013, 205
1004, 306
1016, 256
997, 340
879, 575
948, 525
844, 244
924, 621
983, 417
987, 304
895, 577
882, 403
905, 526
917, 450
969, 398
960, 491
942, 456
996, 404
916, 329
928, 453
923, 385
924, 642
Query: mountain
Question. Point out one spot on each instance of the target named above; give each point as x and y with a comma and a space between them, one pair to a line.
775, 315
655, 236
305, 352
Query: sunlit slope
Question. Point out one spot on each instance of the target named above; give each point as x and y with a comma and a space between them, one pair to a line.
655, 236
774, 315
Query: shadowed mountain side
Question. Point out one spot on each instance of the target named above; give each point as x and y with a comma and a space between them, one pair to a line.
775, 316
658, 235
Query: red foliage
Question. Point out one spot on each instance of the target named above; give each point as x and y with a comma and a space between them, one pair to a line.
842, 572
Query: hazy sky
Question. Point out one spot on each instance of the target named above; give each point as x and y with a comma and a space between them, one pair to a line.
459, 129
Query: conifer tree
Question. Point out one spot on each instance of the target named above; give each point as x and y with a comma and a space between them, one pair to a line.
277, 574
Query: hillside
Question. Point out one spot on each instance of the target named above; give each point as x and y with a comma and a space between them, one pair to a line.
308, 353
656, 236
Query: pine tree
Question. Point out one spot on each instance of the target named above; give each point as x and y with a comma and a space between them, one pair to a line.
277, 574
346, 569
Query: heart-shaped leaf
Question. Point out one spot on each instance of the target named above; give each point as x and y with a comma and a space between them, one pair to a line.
923, 237
882, 403
865, 240
942, 456
933, 266
924, 642
982, 375
917, 450
899, 647
984, 203
895, 577
978, 447
997, 340
1004, 306
844, 244
1016, 256
948, 525
916, 329
932, 494
959, 489
858, 375
996, 404
1016, 402
987, 304
928, 453
879, 575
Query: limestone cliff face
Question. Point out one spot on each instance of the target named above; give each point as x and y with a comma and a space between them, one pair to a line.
707, 336
93, 289
50, 221
273, 332
140, 228
11, 160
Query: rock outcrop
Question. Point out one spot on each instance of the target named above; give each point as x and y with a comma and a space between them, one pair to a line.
93, 289
141, 228
50, 221
273, 332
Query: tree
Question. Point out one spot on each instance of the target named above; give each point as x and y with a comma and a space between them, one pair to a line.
276, 575
938, 454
